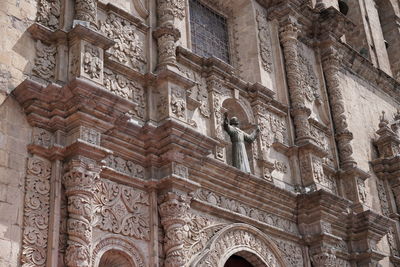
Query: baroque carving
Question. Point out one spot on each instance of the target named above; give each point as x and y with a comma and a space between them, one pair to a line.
41, 137
240, 208
361, 190
166, 48
272, 129
167, 10
178, 103
45, 60
86, 10
128, 89
124, 166
48, 13
121, 209
291, 252
180, 170
92, 63
90, 135
264, 37
383, 197
281, 167
320, 137
128, 48
36, 212
217, 107
79, 182
308, 80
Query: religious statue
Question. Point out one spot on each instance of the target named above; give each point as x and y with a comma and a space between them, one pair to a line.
238, 137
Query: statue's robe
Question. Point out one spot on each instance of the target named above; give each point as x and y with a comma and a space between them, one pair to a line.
239, 154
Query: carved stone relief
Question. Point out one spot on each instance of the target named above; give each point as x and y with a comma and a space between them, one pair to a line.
292, 252
121, 209
41, 137
45, 60
308, 80
392, 243
128, 89
281, 166
320, 137
86, 10
272, 129
167, 10
85, 134
92, 62
217, 108
49, 13
251, 212
180, 170
178, 103
124, 166
361, 190
129, 48
36, 212
383, 197
264, 37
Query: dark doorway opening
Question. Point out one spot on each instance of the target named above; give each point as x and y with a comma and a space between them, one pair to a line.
237, 261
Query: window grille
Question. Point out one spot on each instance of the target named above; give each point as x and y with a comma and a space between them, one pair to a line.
209, 32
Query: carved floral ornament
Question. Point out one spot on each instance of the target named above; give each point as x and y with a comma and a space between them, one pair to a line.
45, 60
128, 49
265, 43
49, 13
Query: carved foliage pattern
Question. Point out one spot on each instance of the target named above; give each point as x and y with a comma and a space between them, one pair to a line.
36, 212
308, 80
48, 13
124, 166
121, 209
86, 10
265, 43
128, 48
272, 129
128, 89
171, 8
361, 190
254, 213
45, 60
291, 252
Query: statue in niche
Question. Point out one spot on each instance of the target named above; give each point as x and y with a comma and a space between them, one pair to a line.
238, 137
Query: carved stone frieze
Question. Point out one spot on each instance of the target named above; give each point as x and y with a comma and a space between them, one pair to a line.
45, 61
124, 166
49, 13
36, 212
178, 103
121, 209
245, 210
92, 63
128, 89
128, 48
264, 37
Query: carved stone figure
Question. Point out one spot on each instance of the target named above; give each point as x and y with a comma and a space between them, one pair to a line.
238, 137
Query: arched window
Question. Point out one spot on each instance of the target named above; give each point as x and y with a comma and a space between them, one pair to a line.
115, 258
237, 261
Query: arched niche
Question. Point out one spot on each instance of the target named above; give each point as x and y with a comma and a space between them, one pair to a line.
111, 250
243, 240
241, 110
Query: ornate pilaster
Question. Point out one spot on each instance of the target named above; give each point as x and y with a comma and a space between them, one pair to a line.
174, 208
79, 181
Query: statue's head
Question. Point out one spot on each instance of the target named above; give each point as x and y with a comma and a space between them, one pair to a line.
234, 121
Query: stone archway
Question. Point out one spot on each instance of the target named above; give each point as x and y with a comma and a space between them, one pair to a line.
113, 249
242, 240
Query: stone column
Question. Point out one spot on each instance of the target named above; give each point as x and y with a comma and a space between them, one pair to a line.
79, 181
331, 66
86, 10
174, 208
288, 37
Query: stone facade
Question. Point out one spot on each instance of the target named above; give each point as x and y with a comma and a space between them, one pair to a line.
113, 153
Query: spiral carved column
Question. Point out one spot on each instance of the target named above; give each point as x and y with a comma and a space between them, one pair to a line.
79, 183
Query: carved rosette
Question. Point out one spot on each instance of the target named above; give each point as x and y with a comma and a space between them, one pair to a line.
79, 182
174, 210
86, 10
36, 212
331, 65
288, 38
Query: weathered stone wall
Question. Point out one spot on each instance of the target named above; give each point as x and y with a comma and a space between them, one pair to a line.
15, 134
